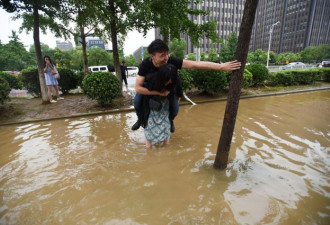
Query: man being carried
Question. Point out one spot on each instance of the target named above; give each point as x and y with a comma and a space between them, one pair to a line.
159, 55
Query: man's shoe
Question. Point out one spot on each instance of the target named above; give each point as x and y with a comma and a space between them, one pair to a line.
172, 127
136, 125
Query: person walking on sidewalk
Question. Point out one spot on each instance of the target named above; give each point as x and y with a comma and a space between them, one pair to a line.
124, 73
51, 81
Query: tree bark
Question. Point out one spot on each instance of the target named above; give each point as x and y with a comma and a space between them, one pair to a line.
114, 40
235, 87
40, 60
83, 44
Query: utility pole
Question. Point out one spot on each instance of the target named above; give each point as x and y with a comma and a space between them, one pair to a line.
270, 39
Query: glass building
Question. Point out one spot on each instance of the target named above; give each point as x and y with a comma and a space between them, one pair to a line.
303, 23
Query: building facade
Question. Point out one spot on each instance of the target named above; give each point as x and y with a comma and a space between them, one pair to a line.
139, 53
303, 23
228, 13
64, 45
92, 41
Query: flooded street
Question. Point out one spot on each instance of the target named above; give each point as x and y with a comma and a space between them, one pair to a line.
95, 170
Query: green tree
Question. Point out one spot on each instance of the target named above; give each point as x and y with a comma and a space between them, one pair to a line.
98, 56
117, 17
191, 56
45, 50
62, 58
178, 48
77, 62
33, 20
203, 56
13, 56
315, 53
131, 61
213, 55
172, 17
228, 50
85, 22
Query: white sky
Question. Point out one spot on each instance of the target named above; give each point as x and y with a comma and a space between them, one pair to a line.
133, 40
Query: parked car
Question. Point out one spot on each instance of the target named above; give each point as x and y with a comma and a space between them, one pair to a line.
98, 69
132, 70
294, 65
325, 63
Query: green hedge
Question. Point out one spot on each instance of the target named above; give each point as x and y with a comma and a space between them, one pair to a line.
187, 80
12, 80
80, 75
295, 77
259, 72
104, 87
30, 80
210, 81
67, 81
4, 90
247, 78
326, 74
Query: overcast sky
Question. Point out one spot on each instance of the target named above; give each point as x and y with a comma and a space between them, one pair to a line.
133, 41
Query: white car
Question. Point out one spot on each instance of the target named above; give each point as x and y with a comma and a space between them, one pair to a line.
294, 65
98, 69
132, 70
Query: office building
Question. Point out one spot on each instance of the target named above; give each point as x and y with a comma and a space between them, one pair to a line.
92, 41
303, 23
64, 45
139, 53
228, 13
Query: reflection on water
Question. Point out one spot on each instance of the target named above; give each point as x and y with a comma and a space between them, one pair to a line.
95, 170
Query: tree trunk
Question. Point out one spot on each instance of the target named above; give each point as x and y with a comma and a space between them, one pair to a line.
229, 120
40, 60
83, 44
114, 40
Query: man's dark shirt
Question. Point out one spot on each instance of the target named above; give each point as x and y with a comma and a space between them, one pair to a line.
123, 69
147, 66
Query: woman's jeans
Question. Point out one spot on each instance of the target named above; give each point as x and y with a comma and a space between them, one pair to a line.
139, 110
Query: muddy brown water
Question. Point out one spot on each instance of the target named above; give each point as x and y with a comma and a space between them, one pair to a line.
95, 170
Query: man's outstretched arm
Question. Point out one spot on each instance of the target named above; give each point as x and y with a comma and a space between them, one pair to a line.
228, 66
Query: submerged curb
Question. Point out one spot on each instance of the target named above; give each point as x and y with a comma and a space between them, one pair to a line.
113, 111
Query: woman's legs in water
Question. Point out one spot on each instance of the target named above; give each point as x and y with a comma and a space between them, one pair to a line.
148, 144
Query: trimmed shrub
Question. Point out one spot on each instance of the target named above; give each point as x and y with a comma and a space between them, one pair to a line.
30, 80
67, 80
4, 90
80, 75
104, 87
326, 74
294, 77
247, 79
12, 80
259, 72
187, 80
210, 81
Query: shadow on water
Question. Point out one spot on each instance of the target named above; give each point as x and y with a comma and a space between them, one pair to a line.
95, 170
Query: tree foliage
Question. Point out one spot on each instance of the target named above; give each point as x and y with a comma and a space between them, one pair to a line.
228, 49
13, 56
172, 18
178, 48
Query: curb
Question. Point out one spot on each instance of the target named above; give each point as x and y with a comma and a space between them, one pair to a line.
183, 103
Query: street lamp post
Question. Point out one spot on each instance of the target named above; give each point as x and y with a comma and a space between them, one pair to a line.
270, 39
